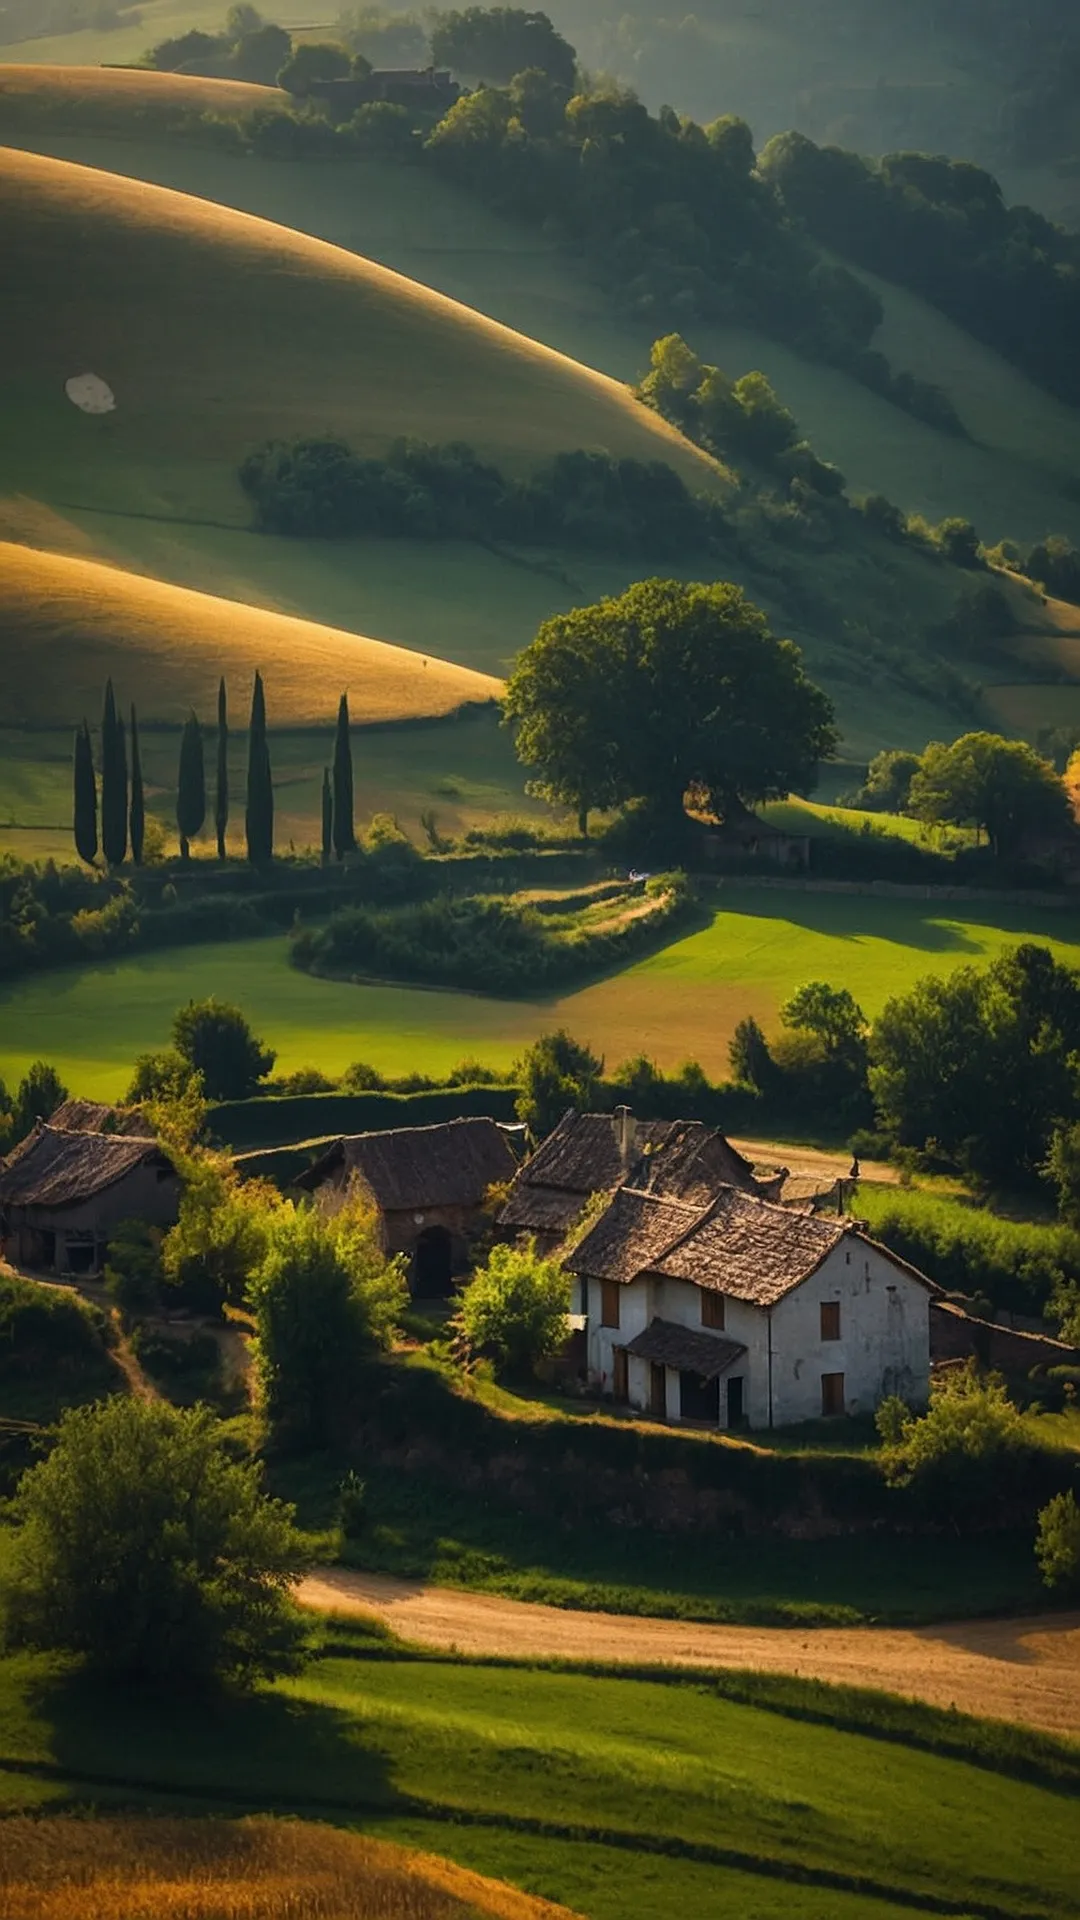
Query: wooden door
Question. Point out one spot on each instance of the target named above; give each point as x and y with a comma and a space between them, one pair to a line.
832, 1395
658, 1391
735, 1409
621, 1374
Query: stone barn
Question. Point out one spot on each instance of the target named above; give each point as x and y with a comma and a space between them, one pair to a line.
427, 1185
63, 1193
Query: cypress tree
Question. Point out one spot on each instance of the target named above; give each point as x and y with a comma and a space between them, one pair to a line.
327, 817
344, 831
221, 797
85, 797
114, 796
190, 786
259, 817
137, 815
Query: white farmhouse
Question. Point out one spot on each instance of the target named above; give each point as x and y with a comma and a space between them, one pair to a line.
739, 1312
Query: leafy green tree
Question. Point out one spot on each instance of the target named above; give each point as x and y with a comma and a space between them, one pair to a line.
1063, 1170
221, 1233
259, 55
325, 1298
259, 816
137, 811
514, 1309
833, 1014
964, 1453
749, 1056
147, 1550
313, 60
190, 786
85, 797
342, 777
978, 1066
39, 1093
495, 43
158, 1076
216, 1040
1055, 564
114, 785
554, 1074
959, 542
221, 783
668, 690
1057, 1543
887, 787
1002, 787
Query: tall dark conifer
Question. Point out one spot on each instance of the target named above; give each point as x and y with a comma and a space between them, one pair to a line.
327, 818
137, 811
344, 829
221, 794
259, 818
190, 786
85, 796
114, 793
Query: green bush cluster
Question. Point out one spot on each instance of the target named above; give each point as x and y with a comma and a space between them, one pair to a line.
1014, 1264
42, 1326
493, 945
424, 492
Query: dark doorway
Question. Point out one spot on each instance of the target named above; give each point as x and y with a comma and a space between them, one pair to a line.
736, 1412
620, 1385
699, 1399
832, 1395
432, 1265
658, 1391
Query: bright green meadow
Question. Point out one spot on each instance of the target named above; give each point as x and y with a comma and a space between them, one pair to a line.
624, 1799
680, 1003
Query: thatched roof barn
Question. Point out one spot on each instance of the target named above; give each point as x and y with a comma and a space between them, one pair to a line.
63, 1192
596, 1152
428, 1186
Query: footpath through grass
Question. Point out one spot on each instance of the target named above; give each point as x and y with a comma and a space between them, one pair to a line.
681, 1003
623, 1798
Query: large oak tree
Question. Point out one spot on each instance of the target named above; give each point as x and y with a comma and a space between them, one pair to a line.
669, 690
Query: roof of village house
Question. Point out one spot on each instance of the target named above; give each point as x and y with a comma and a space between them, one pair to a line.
55, 1168
668, 1345
738, 1244
681, 1158
96, 1116
410, 1169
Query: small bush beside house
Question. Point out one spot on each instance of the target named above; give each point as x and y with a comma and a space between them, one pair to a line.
515, 1309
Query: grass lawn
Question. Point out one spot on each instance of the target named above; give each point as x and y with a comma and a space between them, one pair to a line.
595, 1792
680, 1003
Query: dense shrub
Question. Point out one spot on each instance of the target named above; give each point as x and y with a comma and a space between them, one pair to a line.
514, 1309
1003, 1263
590, 500
41, 1326
967, 1458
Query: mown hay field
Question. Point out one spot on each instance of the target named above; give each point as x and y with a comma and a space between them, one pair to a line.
69, 622
141, 26
622, 1799
681, 1003
198, 1869
128, 91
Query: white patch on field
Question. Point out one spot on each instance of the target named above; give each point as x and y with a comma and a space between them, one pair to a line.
90, 393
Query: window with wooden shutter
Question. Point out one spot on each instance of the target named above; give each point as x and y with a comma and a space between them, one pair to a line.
609, 1303
712, 1308
830, 1319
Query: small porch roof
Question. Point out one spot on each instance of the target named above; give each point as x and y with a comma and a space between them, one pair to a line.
669, 1345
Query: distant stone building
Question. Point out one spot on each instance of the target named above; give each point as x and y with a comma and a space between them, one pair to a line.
63, 1193
427, 1185
429, 89
590, 1153
740, 1312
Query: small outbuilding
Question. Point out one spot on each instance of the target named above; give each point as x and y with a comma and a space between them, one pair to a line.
63, 1193
740, 1312
590, 1153
428, 1186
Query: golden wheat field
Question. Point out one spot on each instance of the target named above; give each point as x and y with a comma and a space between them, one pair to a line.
124, 87
68, 622
148, 1869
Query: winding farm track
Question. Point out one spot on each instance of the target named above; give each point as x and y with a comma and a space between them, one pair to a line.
1025, 1670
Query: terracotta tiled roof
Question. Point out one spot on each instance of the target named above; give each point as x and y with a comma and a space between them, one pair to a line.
54, 1168
409, 1169
679, 1158
670, 1345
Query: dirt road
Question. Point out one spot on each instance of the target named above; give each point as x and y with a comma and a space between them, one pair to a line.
807, 1161
1020, 1670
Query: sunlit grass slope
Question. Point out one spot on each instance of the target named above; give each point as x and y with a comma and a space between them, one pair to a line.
218, 331
68, 622
127, 92
197, 1869
143, 25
